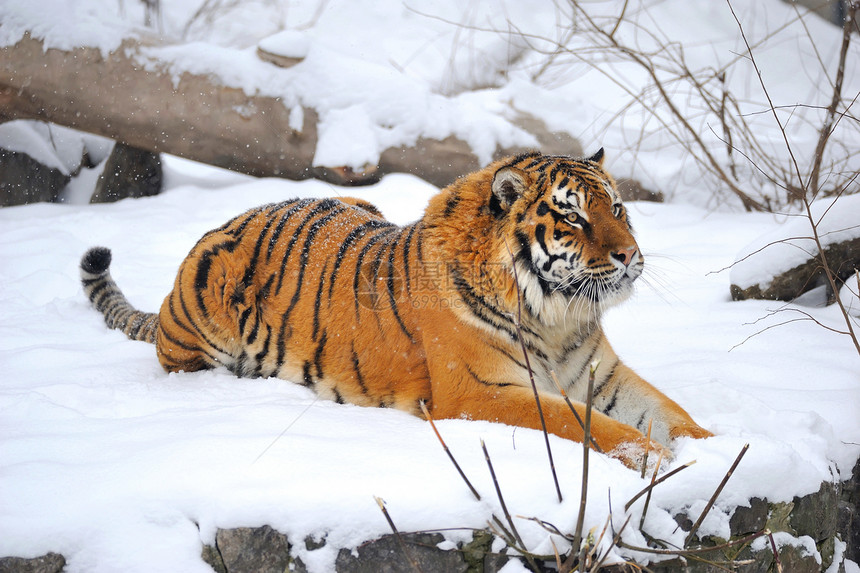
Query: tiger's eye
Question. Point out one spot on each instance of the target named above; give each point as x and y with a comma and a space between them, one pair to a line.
577, 220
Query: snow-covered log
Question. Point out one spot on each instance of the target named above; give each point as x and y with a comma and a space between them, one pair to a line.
784, 263
120, 96
115, 97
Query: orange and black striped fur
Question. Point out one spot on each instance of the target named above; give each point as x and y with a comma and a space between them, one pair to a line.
329, 294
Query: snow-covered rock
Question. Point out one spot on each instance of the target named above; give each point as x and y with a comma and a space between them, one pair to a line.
284, 49
784, 262
128, 172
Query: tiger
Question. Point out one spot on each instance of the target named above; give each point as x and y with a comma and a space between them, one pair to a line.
491, 299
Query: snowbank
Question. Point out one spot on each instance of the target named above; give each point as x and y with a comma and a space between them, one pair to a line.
119, 466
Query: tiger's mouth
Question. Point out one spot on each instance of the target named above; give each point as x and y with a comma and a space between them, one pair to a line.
596, 286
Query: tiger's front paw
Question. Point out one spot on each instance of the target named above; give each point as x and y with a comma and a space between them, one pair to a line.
689, 430
632, 453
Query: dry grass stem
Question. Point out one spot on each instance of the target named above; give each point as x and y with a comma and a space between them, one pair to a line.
517, 323
576, 415
645, 457
583, 497
775, 552
513, 527
447, 451
716, 494
651, 486
412, 562
651, 489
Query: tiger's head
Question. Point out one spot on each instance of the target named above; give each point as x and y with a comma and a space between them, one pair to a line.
551, 228
571, 236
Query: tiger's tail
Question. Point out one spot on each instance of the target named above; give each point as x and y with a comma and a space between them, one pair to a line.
108, 299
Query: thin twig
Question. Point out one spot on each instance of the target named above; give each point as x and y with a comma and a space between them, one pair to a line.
501, 498
717, 492
645, 457
688, 552
549, 527
827, 128
576, 415
656, 483
645, 62
619, 20
775, 552
447, 451
830, 278
805, 317
412, 562
286, 429
804, 189
532, 376
648, 496
615, 541
583, 496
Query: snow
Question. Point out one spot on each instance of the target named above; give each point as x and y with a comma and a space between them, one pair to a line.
120, 466
850, 296
289, 43
789, 243
805, 543
51, 145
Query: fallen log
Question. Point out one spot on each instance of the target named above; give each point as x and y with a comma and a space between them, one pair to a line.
197, 118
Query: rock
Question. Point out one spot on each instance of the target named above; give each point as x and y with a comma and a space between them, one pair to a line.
848, 515
475, 551
743, 561
37, 160
797, 560
438, 162
820, 518
633, 190
843, 258
212, 558
752, 519
815, 514
784, 263
50, 563
549, 142
827, 549
284, 49
129, 172
247, 550
386, 555
24, 180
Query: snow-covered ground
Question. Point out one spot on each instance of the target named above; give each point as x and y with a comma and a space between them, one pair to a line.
121, 467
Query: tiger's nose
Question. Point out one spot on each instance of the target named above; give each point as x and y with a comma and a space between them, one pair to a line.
625, 256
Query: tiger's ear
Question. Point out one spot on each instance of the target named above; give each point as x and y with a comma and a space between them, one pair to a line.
508, 185
597, 157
